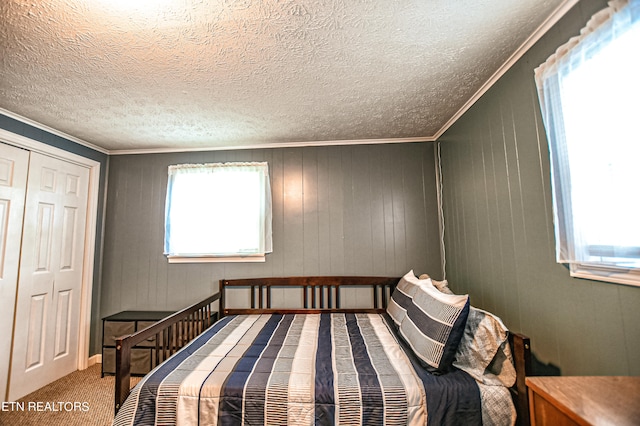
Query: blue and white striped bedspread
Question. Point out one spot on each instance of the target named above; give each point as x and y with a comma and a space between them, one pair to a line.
299, 369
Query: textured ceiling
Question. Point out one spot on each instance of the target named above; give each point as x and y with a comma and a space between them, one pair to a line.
189, 74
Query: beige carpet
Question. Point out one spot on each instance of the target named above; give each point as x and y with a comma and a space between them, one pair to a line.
80, 399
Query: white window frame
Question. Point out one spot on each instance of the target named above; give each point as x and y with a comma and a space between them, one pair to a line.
605, 26
224, 207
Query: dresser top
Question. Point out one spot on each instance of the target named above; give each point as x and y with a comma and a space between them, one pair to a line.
596, 400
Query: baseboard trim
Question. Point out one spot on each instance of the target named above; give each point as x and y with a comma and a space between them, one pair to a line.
96, 359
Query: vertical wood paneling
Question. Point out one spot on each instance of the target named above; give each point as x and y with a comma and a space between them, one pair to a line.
483, 231
324, 211
157, 264
360, 228
135, 226
377, 209
499, 234
337, 210
388, 174
463, 233
293, 213
336, 217
502, 224
311, 265
276, 173
398, 215
348, 218
415, 248
430, 203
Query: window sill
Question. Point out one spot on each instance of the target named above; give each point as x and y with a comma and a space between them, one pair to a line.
607, 274
217, 259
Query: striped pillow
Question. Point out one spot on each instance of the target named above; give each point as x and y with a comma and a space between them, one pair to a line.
484, 350
433, 326
402, 295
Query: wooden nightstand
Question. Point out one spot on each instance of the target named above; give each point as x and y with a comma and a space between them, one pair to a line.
127, 322
593, 400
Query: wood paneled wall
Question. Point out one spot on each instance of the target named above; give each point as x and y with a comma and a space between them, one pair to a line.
499, 234
340, 210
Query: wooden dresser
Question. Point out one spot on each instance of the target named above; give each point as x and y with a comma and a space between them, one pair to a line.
593, 400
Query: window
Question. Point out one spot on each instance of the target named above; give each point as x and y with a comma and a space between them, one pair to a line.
218, 212
589, 93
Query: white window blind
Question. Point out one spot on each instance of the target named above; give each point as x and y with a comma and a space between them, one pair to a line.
589, 93
218, 210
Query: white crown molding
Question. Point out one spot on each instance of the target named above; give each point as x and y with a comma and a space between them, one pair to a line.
557, 14
274, 145
52, 131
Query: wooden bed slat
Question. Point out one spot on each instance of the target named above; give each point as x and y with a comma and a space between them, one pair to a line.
316, 286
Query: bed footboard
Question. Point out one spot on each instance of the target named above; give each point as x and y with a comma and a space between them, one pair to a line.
171, 334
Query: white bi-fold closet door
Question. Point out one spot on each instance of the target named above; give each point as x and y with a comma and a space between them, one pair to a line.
14, 165
49, 281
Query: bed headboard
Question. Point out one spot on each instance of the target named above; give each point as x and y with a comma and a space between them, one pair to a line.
320, 294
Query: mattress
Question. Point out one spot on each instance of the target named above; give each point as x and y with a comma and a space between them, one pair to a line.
305, 369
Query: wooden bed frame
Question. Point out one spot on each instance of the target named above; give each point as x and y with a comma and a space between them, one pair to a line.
320, 295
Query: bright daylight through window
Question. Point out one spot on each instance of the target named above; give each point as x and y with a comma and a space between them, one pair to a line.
218, 212
590, 92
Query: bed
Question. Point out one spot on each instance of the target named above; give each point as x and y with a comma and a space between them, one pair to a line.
321, 363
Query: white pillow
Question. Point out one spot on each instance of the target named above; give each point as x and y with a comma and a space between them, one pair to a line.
443, 285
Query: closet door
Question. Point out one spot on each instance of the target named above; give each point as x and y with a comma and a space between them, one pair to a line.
45, 346
14, 164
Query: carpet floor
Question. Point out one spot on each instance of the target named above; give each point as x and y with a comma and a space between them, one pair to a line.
82, 398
